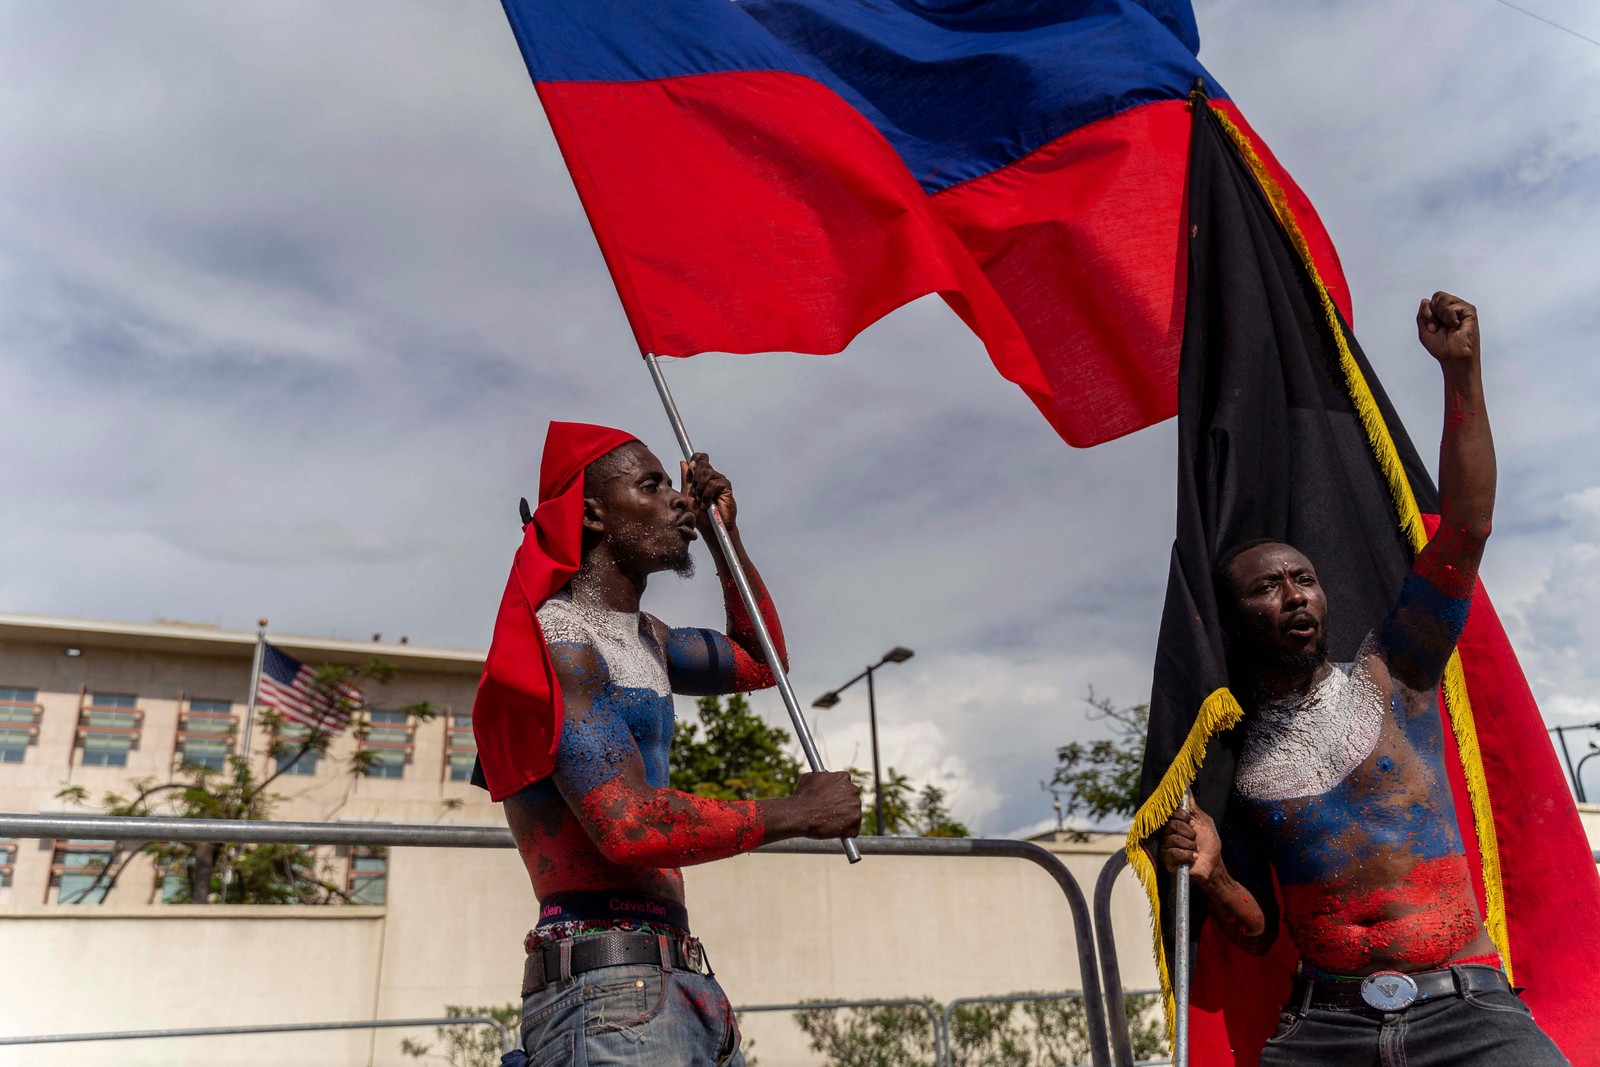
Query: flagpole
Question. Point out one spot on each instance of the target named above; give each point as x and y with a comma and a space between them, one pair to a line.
255, 687
1180, 958
747, 594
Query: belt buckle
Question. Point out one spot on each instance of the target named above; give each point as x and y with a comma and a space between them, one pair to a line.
1389, 990
693, 955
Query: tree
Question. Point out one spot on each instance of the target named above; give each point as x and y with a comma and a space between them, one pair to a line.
468, 1044
1032, 1033
732, 754
207, 872
1101, 778
907, 811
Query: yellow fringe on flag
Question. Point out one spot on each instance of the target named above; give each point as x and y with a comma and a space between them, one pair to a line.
1220, 710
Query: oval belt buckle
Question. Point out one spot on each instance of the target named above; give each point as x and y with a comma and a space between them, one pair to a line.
1389, 990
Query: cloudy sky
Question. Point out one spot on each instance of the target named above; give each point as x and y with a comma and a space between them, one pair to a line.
289, 290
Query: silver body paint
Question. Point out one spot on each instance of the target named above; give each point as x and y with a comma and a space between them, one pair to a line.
625, 640
1305, 745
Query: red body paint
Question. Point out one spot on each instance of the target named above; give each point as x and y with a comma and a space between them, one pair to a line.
1420, 922
750, 670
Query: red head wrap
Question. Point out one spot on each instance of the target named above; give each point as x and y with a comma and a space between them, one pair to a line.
517, 715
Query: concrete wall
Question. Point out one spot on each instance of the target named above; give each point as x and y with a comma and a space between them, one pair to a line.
778, 928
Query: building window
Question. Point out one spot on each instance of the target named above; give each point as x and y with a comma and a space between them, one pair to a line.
108, 729
306, 763
461, 764
19, 722
386, 743
106, 750
460, 746
386, 763
77, 871
287, 742
209, 753
368, 877
205, 733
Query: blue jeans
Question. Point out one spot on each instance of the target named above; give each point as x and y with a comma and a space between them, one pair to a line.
631, 1015
1480, 1030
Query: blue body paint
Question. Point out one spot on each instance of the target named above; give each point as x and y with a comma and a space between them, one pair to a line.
700, 662
1321, 838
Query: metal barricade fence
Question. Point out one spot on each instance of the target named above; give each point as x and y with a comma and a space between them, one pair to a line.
268, 1028
112, 828
1110, 969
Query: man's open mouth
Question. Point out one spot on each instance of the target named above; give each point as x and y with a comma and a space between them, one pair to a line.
1300, 625
687, 530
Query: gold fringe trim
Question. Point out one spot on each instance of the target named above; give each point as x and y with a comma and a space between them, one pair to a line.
1457, 701
1218, 712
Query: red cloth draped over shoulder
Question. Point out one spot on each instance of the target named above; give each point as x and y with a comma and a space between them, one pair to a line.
516, 717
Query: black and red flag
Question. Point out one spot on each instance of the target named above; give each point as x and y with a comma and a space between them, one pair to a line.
1284, 432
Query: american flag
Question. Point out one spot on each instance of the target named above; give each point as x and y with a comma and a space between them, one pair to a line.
291, 687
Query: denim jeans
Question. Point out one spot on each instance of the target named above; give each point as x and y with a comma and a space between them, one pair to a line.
636, 1014
1467, 1031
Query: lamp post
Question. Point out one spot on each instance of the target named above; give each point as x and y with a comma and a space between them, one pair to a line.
831, 697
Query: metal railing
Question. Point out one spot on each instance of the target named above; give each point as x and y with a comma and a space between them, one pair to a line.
506, 1044
113, 828
1121, 1040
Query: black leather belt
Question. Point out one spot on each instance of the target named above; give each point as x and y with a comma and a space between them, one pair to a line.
575, 955
1396, 990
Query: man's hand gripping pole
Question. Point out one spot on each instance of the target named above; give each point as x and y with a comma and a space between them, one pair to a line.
736, 569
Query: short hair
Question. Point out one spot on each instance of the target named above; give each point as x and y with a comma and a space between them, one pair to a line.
1221, 579
602, 470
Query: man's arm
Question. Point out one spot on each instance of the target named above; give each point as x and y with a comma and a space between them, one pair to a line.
1420, 634
1191, 837
701, 661
600, 774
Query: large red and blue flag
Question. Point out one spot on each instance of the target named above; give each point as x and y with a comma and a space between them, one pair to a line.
775, 175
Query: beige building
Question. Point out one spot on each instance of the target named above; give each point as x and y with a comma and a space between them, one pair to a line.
99, 705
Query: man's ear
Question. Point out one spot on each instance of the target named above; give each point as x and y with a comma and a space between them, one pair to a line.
594, 515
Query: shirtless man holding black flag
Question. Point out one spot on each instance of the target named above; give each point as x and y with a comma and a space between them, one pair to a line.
1344, 791
613, 974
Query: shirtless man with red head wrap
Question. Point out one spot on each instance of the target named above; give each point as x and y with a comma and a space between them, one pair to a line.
613, 974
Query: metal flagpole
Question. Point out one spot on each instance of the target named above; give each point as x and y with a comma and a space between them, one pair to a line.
1180, 959
736, 569
255, 687
249, 733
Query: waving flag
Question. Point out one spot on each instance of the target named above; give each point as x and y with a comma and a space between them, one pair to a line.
292, 688
775, 175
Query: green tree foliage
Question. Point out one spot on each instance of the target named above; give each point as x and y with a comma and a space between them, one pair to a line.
907, 811
1101, 778
206, 872
732, 754
467, 1044
1029, 1033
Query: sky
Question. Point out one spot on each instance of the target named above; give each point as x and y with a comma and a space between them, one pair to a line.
288, 292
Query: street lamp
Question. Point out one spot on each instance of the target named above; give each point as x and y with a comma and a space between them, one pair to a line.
896, 654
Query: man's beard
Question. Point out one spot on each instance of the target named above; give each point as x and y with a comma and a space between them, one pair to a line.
1305, 660
682, 563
